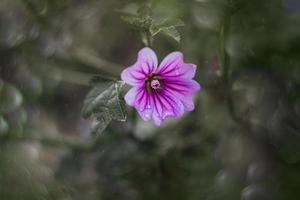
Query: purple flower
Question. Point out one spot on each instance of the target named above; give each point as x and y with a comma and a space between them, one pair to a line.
160, 92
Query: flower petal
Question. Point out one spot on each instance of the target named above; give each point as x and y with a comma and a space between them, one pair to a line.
170, 106
174, 102
188, 70
182, 86
146, 63
157, 116
144, 104
131, 95
188, 103
133, 76
157, 120
170, 62
147, 60
186, 100
174, 66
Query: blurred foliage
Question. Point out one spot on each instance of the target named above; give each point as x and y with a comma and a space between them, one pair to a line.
241, 142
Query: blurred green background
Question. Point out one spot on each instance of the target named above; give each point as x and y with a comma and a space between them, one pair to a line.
241, 142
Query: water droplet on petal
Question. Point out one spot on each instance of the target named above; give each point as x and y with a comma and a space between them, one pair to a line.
146, 112
166, 114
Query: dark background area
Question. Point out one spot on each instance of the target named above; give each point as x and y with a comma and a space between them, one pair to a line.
242, 141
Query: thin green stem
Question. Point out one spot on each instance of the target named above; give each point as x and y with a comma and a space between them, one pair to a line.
148, 39
224, 59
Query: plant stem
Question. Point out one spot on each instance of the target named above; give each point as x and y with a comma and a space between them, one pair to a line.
223, 56
224, 61
149, 39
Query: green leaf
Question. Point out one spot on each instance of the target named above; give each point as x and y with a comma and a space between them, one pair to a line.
103, 104
117, 104
173, 33
170, 23
129, 9
139, 17
137, 22
168, 28
100, 121
144, 12
158, 27
150, 27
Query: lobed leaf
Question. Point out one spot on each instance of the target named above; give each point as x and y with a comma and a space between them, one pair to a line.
100, 121
129, 9
173, 33
167, 23
137, 22
103, 104
144, 12
168, 28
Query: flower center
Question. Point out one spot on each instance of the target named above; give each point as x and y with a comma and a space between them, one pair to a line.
154, 82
